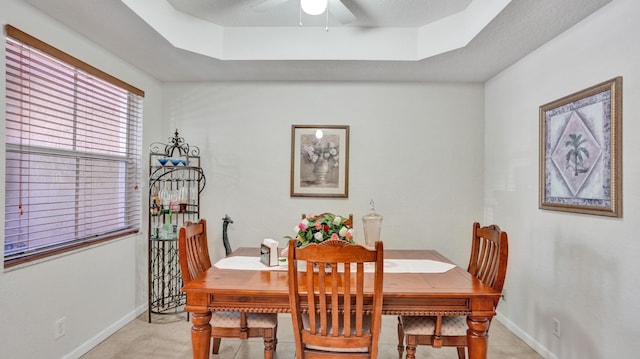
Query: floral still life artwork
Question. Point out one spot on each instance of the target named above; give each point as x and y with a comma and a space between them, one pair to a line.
580, 146
319, 161
319, 228
323, 153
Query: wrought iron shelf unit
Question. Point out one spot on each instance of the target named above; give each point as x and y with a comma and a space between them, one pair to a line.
175, 183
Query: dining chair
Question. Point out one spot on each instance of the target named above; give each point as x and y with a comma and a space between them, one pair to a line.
193, 255
488, 263
331, 315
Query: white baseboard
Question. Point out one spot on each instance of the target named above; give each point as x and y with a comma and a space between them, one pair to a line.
535, 345
107, 332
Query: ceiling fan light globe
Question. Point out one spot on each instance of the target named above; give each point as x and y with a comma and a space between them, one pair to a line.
313, 7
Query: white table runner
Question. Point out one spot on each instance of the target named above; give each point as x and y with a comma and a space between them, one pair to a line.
390, 265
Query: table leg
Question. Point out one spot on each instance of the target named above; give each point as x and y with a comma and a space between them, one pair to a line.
400, 338
477, 337
200, 334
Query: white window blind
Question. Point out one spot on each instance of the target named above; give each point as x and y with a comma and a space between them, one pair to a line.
73, 152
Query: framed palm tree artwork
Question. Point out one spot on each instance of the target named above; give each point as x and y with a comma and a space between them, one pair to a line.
581, 151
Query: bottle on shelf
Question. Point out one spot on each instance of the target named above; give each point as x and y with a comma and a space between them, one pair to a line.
155, 202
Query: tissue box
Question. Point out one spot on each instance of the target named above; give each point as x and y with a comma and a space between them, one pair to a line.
269, 252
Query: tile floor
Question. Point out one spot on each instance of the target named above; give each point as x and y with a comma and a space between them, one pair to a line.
169, 337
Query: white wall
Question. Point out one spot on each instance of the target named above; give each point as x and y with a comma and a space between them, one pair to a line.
422, 151
98, 289
416, 149
580, 269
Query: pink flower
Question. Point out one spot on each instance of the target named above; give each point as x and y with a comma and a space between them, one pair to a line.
315, 229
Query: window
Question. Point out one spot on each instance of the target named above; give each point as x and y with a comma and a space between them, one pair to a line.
73, 142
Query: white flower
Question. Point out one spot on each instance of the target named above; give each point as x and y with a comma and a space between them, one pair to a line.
318, 236
337, 220
343, 231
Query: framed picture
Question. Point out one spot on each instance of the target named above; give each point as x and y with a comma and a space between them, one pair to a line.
581, 151
319, 161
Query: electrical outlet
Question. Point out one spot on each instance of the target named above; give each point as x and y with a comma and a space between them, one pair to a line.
556, 327
60, 328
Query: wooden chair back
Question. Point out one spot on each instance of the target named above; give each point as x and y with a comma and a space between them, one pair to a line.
331, 314
193, 250
489, 254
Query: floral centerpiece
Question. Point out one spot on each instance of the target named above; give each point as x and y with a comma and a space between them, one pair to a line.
319, 228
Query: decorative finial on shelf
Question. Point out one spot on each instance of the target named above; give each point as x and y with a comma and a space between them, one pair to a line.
225, 239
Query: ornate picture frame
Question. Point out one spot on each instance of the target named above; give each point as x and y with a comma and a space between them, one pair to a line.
319, 161
581, 151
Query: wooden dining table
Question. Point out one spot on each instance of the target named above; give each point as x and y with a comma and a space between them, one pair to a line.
454, 292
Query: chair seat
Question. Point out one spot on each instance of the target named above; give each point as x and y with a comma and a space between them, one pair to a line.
451, 325
254, 320
366, 325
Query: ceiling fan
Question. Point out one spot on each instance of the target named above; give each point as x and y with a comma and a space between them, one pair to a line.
336, 8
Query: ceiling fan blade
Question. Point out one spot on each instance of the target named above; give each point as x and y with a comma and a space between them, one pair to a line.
263, 5
338, 10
